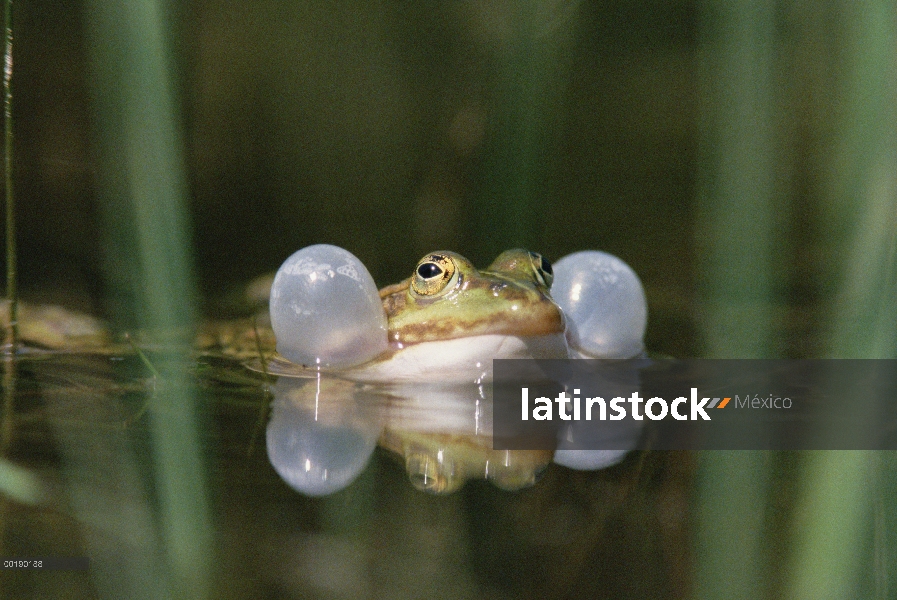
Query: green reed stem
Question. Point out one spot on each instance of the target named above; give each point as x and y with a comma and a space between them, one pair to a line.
530, 72
835, 512
265, 401
732, 496
861, 187
143, 357
143, 191
735, 222
12, 292
155, 372
844, 539
737, 198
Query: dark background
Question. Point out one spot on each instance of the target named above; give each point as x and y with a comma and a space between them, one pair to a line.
373, 127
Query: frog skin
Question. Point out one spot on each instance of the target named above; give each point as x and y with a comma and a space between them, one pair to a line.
450, 324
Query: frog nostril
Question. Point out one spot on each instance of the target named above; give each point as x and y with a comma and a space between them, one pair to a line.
429, 270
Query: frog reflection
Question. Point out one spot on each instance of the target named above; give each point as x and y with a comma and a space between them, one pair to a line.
323, 431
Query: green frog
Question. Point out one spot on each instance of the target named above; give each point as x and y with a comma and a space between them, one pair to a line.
446, 322
421, 351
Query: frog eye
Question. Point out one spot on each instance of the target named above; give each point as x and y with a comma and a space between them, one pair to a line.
434, 274
542, 269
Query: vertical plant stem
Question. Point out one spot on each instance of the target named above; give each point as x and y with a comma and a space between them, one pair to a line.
530, 68
861, 209
736, 203
732, 489
735, 225
835, 509
12, 293
832, 546
11, 336
143, 189
265, 402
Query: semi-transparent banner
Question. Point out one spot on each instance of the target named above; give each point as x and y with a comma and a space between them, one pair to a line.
695, 404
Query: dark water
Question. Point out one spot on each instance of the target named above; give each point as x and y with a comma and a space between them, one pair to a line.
80, 425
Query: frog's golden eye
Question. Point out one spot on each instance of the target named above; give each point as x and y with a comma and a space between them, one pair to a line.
434, 274
542, 269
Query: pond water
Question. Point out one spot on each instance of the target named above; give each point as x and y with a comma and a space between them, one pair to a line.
78, 429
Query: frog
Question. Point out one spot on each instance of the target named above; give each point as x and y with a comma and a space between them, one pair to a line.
448, 321
423, 348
